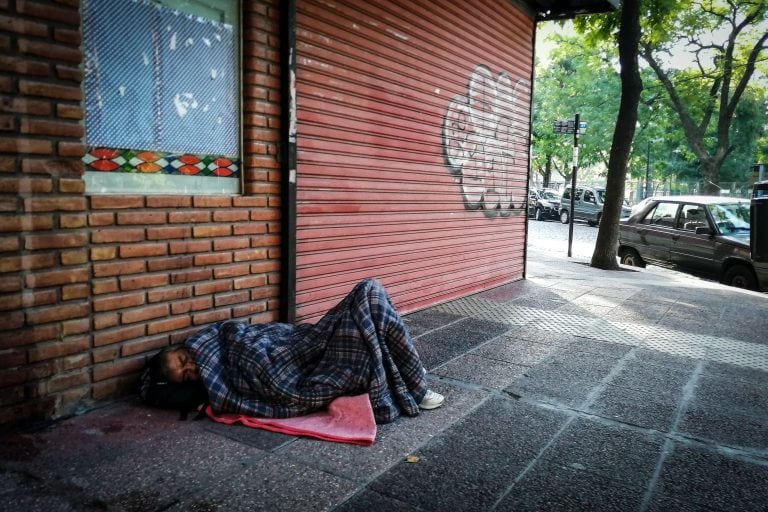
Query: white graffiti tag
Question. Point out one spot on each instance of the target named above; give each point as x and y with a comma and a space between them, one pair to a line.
479, 137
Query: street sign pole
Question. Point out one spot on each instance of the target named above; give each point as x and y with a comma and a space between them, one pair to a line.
573, 182
575, 128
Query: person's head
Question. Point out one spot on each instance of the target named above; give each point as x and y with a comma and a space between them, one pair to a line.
178, 365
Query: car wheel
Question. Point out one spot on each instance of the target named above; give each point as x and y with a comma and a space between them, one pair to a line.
632, 258
564, 216
740, 276
539, 215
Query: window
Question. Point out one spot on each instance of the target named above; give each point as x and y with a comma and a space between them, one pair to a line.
589, 197
162, 96
693, 216
664, 215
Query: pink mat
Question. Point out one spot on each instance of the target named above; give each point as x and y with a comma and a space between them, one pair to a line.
348, 419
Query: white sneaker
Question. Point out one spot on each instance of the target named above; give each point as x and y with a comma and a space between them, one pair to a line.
432, 400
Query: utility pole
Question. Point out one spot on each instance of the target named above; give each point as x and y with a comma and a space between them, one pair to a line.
575, 128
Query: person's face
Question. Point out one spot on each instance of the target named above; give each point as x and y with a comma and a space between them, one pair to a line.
181, 366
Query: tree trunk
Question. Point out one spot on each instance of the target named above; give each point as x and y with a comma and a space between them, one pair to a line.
631, 86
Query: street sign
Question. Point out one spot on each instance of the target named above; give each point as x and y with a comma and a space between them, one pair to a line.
569, 126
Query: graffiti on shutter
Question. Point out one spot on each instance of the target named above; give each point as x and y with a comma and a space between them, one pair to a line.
480, 133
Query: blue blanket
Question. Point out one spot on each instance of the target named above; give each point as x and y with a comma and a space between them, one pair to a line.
279, 370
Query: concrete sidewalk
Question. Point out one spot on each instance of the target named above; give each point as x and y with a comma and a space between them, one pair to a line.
576, 389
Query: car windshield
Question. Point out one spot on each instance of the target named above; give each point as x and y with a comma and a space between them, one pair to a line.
600, 196
730, 217
548, 194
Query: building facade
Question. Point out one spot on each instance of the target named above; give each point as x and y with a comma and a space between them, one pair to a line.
169, 164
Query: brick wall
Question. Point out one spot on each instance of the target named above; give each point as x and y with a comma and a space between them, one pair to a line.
90, 285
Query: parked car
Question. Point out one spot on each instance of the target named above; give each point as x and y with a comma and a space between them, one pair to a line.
588, 205
544, 203
701, 235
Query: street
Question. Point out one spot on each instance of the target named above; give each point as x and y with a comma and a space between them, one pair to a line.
552, 236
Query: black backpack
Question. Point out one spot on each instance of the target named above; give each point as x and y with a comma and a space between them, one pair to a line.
157, 391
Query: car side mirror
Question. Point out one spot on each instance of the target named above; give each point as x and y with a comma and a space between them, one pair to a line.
704, 231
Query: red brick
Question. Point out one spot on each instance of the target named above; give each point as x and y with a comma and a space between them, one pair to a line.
113, 387
73, 149
61, 382
265, 215
101, 219
171, 324
186, 217
22, 26
125, 300
102, 286
249, 282
121, 367
11, 359
105, 354
76, 361
174, 263
74, 291
26, 336
19, 145
36, 126
26, 374
249, 201
57, 241
250, 255
18, 223
10, 284
143, 250
9, 244
69, 346
24, 66
188, 276
71, 186
226, 299
226, 244
103, 321
18, 105
132, 348
26, 185
210, 231
117, 235
140, 218
231, 271
73, 221
116, 202
168, 232
48, 90
265, 267
193, 246
57, 313
231, 215
214, 258
213, 287
118, 268
67, 111
143, 282
168, 294
69, 73
251, 308
57, 277
48, 11
77, 326
210, 317
169, 201
64, 35
196, 304
26, 262
52, 166
74, 257
212, 202
117, 335
253, 228
144, 313
103, 253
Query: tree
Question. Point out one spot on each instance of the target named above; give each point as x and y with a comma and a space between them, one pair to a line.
726, 67
604, 255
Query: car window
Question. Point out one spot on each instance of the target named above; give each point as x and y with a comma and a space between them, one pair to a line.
589, 197
693, 216
578, 194
548, 194
730, 217
601, 196
662, 215
567, 194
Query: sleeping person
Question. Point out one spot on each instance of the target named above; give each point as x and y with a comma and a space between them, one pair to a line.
280, 370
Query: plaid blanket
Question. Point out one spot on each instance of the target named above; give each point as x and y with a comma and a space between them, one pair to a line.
279, 370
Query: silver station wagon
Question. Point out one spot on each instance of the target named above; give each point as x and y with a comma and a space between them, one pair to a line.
701, 235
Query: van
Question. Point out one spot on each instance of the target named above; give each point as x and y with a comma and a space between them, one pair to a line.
587, 205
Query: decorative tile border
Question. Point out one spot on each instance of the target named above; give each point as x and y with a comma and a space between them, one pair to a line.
129, 160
